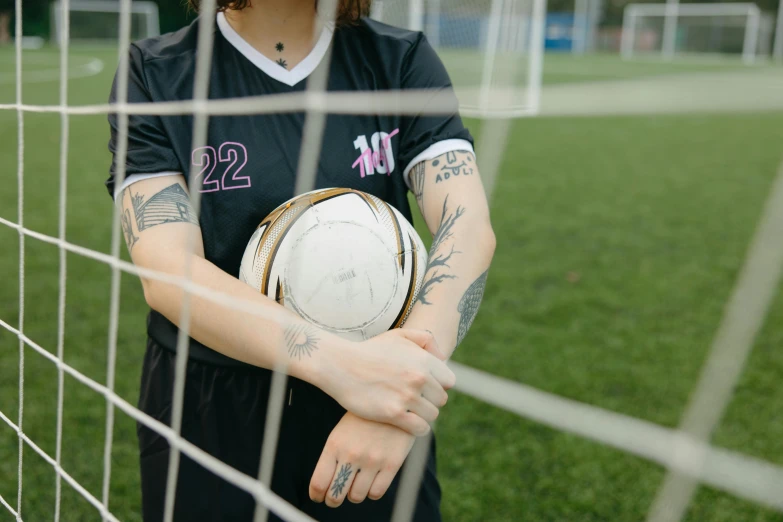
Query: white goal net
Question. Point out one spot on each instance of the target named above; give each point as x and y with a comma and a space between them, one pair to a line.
695, 29
98, 21
493, 49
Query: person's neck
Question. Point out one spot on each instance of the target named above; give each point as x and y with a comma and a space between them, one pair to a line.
268, 25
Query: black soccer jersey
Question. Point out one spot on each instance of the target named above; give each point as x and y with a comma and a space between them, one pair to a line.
249, 164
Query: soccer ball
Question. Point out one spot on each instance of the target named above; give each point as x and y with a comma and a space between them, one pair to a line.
344, 260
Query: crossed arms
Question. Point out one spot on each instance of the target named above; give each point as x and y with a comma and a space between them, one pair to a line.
392, 385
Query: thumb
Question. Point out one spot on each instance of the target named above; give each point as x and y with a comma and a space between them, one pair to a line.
425, 339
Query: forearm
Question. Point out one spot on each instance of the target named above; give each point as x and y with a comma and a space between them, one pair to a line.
157, 220
395, 378
262, 334
451, 197
451, 293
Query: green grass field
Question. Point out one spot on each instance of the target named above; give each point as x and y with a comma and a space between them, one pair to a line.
619, 240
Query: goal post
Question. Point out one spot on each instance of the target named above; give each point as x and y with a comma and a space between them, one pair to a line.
777, 50
96, 21
493, 49
674, 28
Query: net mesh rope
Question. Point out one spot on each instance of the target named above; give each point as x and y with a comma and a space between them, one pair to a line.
685, 452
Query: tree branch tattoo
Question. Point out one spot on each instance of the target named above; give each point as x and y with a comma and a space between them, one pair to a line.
417, 182
469, 304
340, 480
455, 164
301, 340
170, 205
438, 262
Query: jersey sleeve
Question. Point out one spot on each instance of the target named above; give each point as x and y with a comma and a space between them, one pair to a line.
425, 136
150, 152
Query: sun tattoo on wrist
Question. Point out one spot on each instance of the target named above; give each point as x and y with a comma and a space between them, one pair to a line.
301, 340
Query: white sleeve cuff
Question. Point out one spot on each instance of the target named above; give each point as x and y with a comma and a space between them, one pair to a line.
435, 150
134, 178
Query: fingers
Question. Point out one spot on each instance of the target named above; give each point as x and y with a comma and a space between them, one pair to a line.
411, 423
443, 375
439, 370
381, 484
341, 484
361, 485
322, 476
435, 393
424, 339
424, 409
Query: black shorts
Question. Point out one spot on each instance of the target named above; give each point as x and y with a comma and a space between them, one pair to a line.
224, 414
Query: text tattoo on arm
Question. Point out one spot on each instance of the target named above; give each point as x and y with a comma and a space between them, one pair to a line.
438, 263
469, 305
454, 164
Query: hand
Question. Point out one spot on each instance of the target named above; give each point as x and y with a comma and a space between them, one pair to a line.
360, 460
391, 379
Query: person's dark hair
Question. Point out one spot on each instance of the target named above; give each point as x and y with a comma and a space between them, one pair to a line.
349, 11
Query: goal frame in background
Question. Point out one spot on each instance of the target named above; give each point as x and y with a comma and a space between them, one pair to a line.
672, 12
147, 9
777, 46
422, 15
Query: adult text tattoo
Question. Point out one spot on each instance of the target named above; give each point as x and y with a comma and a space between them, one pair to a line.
453, 165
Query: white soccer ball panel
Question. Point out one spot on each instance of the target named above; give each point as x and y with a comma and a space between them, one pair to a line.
336, 287
343, 260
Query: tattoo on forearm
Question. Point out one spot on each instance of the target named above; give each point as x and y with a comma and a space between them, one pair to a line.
417, 182
455, 164
127, 229
438, 262
469, 305
341, 479
170, 205
301, 340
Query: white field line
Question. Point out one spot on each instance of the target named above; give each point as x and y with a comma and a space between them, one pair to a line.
91, 68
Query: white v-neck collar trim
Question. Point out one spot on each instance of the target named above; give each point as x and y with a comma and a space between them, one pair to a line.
302, 70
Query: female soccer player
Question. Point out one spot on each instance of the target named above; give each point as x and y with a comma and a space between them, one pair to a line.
352, 410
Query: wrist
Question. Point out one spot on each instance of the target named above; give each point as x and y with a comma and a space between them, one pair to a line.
319, 368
